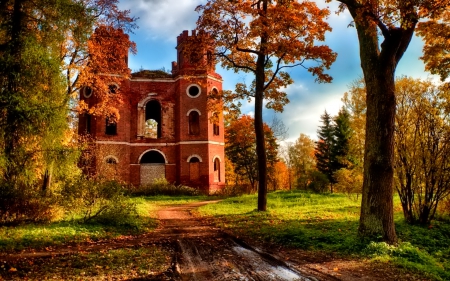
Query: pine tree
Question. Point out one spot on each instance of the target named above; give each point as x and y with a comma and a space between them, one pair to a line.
324, 147
342, 133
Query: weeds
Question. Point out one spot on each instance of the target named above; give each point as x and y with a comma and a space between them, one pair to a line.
163, 187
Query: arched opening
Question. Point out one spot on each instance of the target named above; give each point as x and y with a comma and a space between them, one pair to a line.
194, 169
216, 170
152, 157
194, 123
152, 124
152, 166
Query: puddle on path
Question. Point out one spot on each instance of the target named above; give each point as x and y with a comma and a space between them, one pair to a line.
263, 268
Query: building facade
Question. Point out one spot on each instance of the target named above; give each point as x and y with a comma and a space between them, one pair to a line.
165, 129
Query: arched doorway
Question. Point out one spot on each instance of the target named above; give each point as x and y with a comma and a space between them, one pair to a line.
153, 166
194, 169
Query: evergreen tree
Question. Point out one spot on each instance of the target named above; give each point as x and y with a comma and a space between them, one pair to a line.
342, 133
324, 147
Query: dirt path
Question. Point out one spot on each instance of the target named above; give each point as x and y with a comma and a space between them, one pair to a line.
204, 253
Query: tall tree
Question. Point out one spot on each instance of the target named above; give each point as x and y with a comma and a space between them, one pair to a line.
342, 133
241, 148
324, 147
394, 22
38, 41
303, 160
264, 37
422, 146
355, 103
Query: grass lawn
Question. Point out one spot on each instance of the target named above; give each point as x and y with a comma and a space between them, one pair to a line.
329, 223
13, 238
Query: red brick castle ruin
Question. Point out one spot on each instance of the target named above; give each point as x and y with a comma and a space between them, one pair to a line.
165, 128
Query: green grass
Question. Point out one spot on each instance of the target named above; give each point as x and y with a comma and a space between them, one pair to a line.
329, 223
14, 238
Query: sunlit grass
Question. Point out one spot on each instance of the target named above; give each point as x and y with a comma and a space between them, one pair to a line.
71, 230
329, 222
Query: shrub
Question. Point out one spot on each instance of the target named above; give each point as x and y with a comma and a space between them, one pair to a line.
99, 201
163, 187
349, 181
319, 182
26, 204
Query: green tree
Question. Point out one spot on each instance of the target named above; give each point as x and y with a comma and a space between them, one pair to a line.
324, 147
264, 37
342, 133
393, 22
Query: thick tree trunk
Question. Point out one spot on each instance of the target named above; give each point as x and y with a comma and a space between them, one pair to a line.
377, 197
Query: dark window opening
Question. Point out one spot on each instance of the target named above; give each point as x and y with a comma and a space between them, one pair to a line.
111, 127
194, 123
113, 88
111, 160
215, 120
194, 160
217, 170
152, 127
216, 129
153, 157
194, 90
87, 91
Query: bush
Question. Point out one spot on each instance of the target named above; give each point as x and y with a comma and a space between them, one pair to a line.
99, 201
163, 187
232, 190
26, 204
319, 182
349, 181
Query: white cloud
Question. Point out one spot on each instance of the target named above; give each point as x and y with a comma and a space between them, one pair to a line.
163, 19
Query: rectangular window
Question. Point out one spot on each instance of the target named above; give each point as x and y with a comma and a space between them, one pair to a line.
216, 129
111, 127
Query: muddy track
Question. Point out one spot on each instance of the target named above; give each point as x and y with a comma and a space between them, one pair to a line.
204, 253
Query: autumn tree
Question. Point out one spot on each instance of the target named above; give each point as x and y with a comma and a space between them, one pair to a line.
240, 148
355, 103
263, 38
384, 29
303, 160
422, 146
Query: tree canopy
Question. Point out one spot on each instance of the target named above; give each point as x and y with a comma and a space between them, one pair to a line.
264, 38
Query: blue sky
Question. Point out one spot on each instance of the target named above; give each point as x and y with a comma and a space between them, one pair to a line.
161, 21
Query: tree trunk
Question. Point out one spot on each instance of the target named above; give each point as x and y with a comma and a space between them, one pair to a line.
377, 198
259, 131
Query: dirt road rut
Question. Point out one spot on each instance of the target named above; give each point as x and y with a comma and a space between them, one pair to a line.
204, 253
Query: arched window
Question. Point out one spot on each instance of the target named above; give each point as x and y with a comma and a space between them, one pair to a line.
152, 126
194, 123
216, 170
111, 160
